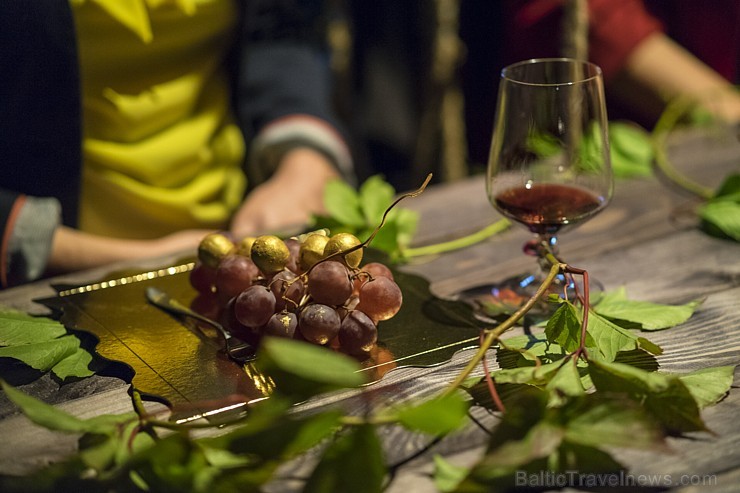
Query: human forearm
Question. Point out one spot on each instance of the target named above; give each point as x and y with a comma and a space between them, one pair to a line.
660, 70
74, 250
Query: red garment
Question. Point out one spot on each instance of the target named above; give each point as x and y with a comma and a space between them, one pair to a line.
711, 30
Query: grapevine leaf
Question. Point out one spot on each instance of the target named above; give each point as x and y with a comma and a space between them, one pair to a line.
271, 438
406, 222
730, 188
301, 370
564, 328
354, 462
540, 441
56, 419
102, 451
537, 375
18, 328
527, 348
631, 150
722, 216
611, 423
576, 457
447, 475
610, 338
74, 365
709, 385
43, 355
342, 203
438, 416
614, 305
174, 464
533, 437
375, 196
42, 344
665, 396
312, 431
567, 381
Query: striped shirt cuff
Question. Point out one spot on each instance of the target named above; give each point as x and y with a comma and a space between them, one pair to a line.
293, 131
31, 238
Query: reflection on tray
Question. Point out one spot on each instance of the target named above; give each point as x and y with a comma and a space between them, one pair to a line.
184, 366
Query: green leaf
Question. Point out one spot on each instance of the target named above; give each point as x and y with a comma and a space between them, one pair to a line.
540, 441
613, 423
54, 418
354, 462
342, 203
530, 375
103, 451
730, 188
632, 151
614, 305
447, 475
301, 370
406, 222
609, 338
376, 195
272, 436
43, 355
665, 396
438, 416
565, 382
529, 348
18, 328
723, 215
74, 365
174, 464
709, 385
564, 328
42, 344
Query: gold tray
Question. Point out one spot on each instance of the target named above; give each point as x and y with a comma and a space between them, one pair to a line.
184, 366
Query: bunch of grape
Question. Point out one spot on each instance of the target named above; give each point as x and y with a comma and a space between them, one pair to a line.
309, 287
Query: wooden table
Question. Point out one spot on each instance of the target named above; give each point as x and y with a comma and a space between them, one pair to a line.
642, 242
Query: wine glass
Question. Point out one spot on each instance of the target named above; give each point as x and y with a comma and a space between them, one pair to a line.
549, 167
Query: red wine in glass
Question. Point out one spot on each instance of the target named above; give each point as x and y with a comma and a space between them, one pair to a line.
547, 208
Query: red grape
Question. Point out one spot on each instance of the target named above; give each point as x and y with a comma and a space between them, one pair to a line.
318, 323
370, 271
287, 294
202, 278
376, 269
234, 274
357, 334
380, 298
294, 246
236, 328
254, 306
282, 324
329, 283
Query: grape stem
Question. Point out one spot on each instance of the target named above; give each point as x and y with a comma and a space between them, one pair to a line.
364, 244
465, 241
490, 336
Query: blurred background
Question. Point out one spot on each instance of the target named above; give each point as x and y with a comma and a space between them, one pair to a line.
416, 80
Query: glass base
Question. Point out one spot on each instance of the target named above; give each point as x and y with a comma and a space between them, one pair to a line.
494, 303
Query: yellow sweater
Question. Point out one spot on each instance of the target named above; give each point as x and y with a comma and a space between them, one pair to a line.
161, 151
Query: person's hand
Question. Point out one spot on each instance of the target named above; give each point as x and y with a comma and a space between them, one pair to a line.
287, 200
74, 250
